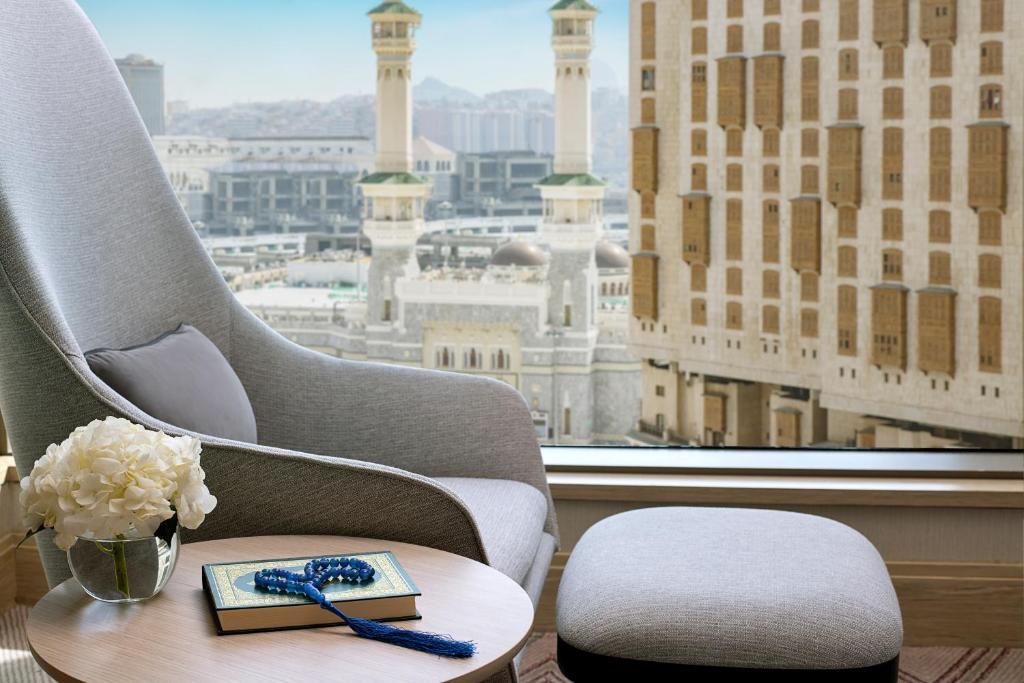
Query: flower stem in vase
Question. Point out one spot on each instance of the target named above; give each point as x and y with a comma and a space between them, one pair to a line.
116, 551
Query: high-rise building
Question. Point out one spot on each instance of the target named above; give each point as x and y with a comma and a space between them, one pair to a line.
145, 81
826, 217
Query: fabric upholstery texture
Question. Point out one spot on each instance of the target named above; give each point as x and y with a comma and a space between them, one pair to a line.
510, 516
96, 252
733, 588
183, 379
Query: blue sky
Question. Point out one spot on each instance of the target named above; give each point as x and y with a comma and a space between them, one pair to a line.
217, 52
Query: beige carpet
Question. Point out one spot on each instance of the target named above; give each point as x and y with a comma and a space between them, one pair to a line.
917, 664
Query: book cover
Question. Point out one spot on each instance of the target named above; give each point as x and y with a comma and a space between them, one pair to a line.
240, 607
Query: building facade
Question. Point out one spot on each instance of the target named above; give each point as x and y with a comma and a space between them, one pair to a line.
501, 183
145, 81
826, 215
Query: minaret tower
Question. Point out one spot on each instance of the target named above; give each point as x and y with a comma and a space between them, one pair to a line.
573, 198
394, 198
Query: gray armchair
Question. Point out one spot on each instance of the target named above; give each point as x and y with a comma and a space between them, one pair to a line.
95, 251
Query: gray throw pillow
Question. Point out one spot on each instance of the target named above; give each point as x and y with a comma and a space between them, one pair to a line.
181, 378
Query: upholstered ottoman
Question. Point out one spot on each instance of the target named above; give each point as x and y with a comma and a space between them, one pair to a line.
705, 593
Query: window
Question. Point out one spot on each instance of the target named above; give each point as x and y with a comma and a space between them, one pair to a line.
810, 5
734, 178
809, 142
940, 271
699, 93
892, 103
698, 278
986, 166
645, 159
734, 229
772, 7
809, 323
809, 174
847, 221
734, 142
698, 142
848, 104
990, 271
645, 286
991, 16
699, 312
940, 176
809, 39
734, 281
939, 227
699, 10
938, 20
991, 106
941, 60
890, 21
805, 245
892, 265
647, 79
936, 331
990, 228
770, 142
846, 318
768, 93
699, 40
892, 163
647, 238
772, 37
770, 319
648, 201
848, 64
734, 38
991, 58
844, 164
849, 20
889, 327
696, 228
770, 288
734, 315
892, 61
648, 31
809, 287
770, 178
809, 94
941, 102
732, 91
647, 111
990, 334
699, 177
847, 261
770, 234
734, 9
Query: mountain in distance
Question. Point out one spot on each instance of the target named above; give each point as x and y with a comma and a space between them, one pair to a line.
434, 90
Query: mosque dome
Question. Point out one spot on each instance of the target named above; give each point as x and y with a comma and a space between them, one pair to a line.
609, 255
519, 253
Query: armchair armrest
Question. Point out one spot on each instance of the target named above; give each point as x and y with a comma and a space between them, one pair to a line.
265, 491
436, 424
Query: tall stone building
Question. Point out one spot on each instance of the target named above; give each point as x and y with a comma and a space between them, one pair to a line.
826, 221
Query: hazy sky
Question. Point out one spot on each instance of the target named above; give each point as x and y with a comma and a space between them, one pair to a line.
217, 52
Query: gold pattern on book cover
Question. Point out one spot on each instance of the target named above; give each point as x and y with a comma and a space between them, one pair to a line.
388, 581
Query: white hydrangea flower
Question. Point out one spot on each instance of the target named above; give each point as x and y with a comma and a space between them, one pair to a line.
112, 478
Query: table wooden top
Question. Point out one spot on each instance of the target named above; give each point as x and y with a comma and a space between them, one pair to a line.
172, 636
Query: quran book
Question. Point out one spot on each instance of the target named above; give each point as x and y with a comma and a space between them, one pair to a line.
238, 606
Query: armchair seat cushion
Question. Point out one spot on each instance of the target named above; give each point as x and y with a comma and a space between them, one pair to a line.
510, 515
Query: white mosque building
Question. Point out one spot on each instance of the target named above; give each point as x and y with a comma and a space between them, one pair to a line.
548, 314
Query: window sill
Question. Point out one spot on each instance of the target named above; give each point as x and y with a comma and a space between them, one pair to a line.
788, 478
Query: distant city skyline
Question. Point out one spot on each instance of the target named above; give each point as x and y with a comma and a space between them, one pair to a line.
231, 51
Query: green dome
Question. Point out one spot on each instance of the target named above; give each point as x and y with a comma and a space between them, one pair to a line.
393, 7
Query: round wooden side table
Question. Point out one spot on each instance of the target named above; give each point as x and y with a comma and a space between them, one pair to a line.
172, 637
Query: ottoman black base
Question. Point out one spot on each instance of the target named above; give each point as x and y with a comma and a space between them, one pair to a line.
579, 666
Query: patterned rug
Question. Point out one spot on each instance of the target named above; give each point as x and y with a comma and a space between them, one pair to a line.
917, 664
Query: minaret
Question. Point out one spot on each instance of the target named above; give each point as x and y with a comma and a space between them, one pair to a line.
394, 198
573, 198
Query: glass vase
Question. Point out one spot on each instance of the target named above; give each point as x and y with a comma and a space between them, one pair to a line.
123, 570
